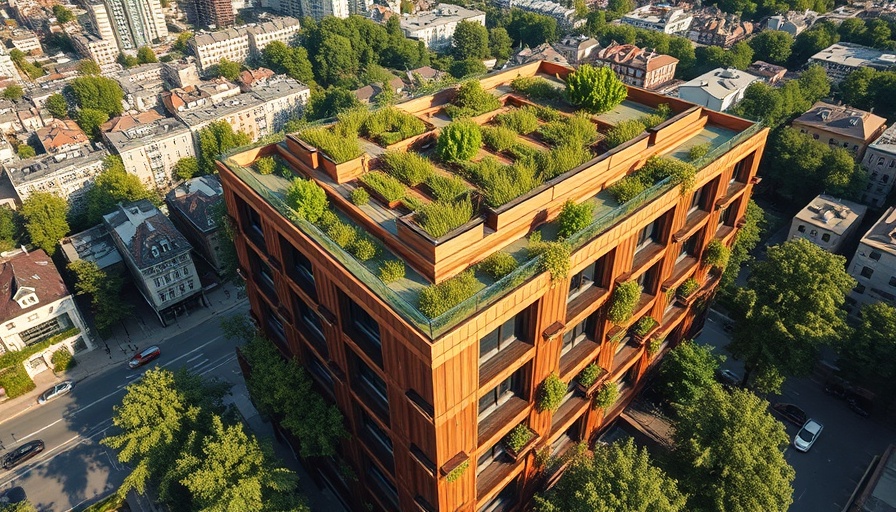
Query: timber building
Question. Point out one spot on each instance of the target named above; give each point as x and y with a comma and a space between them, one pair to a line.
429, 401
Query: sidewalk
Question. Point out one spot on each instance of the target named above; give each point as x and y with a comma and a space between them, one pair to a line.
122, 343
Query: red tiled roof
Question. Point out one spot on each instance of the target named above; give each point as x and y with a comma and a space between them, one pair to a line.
59, 133
32, 270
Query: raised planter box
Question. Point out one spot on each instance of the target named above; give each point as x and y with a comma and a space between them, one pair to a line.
376, 195
640, 340
346, 171
516, 456
592, 389
306, 153
687, 300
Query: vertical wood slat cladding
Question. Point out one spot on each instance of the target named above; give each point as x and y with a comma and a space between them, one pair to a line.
445, 371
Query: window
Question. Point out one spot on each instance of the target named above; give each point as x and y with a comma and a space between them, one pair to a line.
45, 330
373, 387
826, 237
313, 330
893, 281
576, 335
363, 329
275, 325
695, 200
801, 228
264, 277
423, 459
319, 370
504, 500
499, 395
813, 233
591, 274
500, 338
875, 255
867, 272
739, 167
378, 441
253, 222
648, 235
421, 403
688, 248
380, 482
493, 454
11, 325
860, 289
300, 269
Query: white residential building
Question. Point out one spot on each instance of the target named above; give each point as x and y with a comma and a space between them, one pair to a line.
68, 174
284, 99
565, 16
99, 18
318, 9
827, 222
841, 59
102, 51
436, 27
238, 44
880, 162
660, 18
35, 307
281, 28
719, 89
137, 23
874, 265
25, 40
150, 150
157, 256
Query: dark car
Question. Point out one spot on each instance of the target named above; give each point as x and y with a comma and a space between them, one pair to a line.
144, 356
791, 413
728, 378
13, 495
22, 453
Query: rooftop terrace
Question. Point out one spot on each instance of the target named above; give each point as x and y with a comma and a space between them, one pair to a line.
537, 155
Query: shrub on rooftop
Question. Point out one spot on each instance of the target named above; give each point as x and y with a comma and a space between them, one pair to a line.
498, 265
391, 271
409, 168
349, 122
560, 159
471, 100
360, 196
681, 173
459, 141
546, 114
536, 88
341, 233
340, 148
501, 184
595, 89
624, 132
386, 186
307, 199
265, 165
699, 151
439, 218
574, 218
390, 125
446, 188
577, 129
436, 299
499, 138
362, 248
521, 120
626, 189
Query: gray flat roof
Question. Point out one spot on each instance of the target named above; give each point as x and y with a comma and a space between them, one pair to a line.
140, 135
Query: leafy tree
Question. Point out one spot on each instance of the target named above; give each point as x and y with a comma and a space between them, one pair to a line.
145, 55
336, 62
745, 7
459, 141
22, 506
812, 41
112, 186
596, 89
880, 93
618, 8
762, 102
745, 241
329, 103
731, 454
105, 293
13, 92
772, 46
180, 44
814, 84
233, 471
62, 14
739, 56
229, 69
57, 106
845, 178
88, 67
869, 355
99, 93
24, 65
186, 168
90, 119
10, 228
854, 88
683, 50
45, 222
530, 29
291, 61
127, 61
688, 370
789, 309
470, 41
24, 151
614, 477
215, 139
499, 43
465, 68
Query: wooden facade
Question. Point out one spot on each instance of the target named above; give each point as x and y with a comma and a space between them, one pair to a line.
418, 408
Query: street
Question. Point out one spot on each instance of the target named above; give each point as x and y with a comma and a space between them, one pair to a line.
74, 467
826, 475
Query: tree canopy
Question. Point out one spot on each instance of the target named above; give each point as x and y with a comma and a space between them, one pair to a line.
790, 307
614, 477
731, 454
186, 168
688, 370
470, 41
145, 55
13, 92
105, 293
216, 138
90, 119
62, 13
25, 151
739, 56
89, 67
329, 103
595, 89
10, 228
112, 186
57, 106
772, 46
868, 356
867, 88
228, 69
531, 29
45, 219
745, 241
292, 61
499, 43
98, 93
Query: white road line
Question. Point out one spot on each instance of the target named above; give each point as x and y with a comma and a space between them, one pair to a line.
199, 364
197, 356
230, 359
39, 431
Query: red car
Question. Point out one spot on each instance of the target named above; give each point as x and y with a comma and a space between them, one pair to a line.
144, 356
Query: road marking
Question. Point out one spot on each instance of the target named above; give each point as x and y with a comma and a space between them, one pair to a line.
190, 360
199, 364
39, 431
228, 360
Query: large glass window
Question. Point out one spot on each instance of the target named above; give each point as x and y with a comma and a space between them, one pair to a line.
650, 234
372, 386
312, 328
581, 332
45, 330
385, 489
500, 338
319, 370
500, 394
688, 248
254, 228
504, 500
696, 200
363, 329
378, 441
264, 276
495, 453
589, 275
300, 270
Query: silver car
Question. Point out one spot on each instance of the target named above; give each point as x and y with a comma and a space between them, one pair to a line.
56, 391
807, 435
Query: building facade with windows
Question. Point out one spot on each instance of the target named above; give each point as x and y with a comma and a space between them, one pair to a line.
158, 257
873, 265
660, 18
215, 13
841, 59
424, 398
880, 163
191, 207
841, 126
827, 222
436, 28
36, 306
639, 67
151, 150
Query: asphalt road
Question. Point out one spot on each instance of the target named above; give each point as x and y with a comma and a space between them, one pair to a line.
74, 467
828, 473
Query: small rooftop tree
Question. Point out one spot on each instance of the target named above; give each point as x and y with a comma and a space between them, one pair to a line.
596, 90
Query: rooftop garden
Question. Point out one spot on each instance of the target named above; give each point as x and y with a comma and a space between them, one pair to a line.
439, 171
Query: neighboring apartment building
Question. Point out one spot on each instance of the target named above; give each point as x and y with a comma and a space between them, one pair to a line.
719, 89
768, 73
424, 398
101, 51
157, 256
565, 16
68, 174
714, 27
142, 86
150, 150
317, 9
94, 245
61, 135
191, 207
794, 23
100, 22
196, 96
215, 13
841, 126
284, 99
577, 49
36, 306
827, 222
841, 59
26, 41
180, 74
880, 162
238, 44
137, 23
436, 27
639, 67
660, 18
874, 264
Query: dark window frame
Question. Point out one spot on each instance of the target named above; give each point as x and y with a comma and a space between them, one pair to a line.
363, 329
500, 394
505, 334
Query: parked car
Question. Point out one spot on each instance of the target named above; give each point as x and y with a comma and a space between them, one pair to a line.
791, 413
728, 378
144, 356
22, 453
56, 391
13, 495
807, 435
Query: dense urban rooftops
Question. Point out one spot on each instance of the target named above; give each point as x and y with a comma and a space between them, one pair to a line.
438, 219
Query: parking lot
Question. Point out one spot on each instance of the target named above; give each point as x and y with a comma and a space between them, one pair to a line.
827, 475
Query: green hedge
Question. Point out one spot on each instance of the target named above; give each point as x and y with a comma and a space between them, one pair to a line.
521, 120
560, 159
624, 132
653, 171
340, 148
62, 360
498, 265
13, 376
390, 125
472, 100
577, 129
439, 218
390, 188
16, 381
408, 168
436, 299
